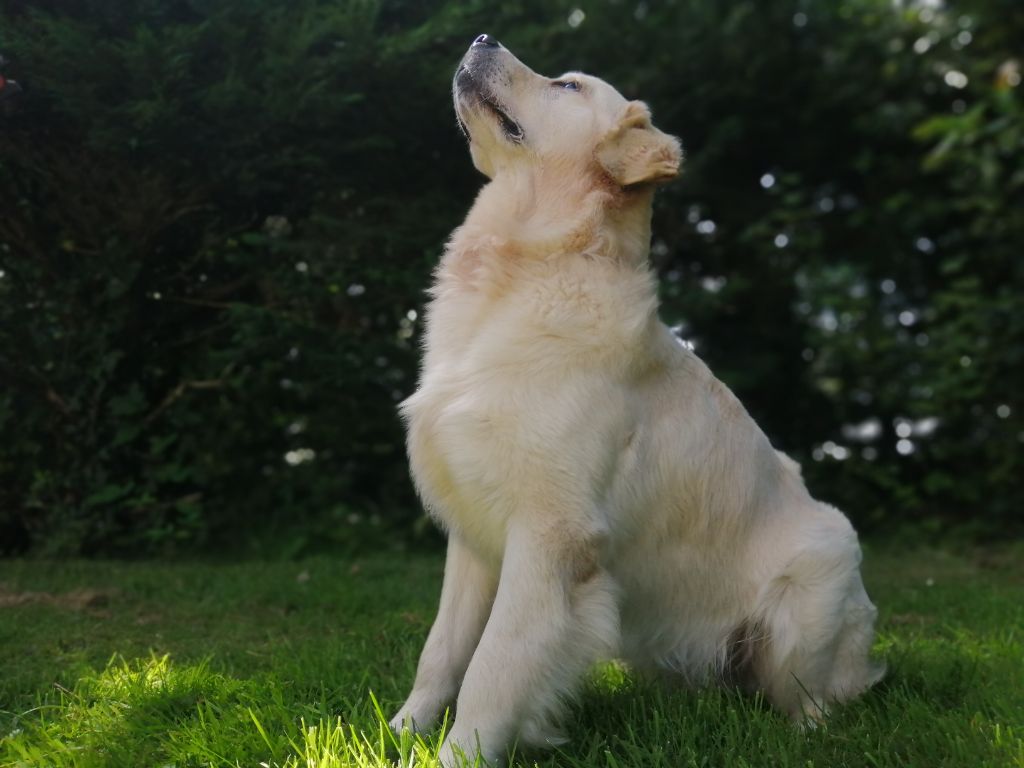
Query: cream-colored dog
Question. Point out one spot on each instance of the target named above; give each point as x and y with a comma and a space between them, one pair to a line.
604, 494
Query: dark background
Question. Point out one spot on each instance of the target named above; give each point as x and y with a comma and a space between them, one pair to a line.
217, 221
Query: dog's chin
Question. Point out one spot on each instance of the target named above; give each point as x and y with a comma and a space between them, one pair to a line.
463, 128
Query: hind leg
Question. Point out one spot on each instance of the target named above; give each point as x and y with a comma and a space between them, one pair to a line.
818, 627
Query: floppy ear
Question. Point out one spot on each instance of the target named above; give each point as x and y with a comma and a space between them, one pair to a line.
635, 152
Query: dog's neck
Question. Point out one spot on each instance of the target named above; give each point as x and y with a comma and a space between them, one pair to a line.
547, 212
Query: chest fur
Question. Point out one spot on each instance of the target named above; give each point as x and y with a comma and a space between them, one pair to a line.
511, 395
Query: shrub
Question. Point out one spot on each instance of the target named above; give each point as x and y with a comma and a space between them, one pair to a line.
218, 221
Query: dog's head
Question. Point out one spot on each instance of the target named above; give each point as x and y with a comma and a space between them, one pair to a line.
514, 117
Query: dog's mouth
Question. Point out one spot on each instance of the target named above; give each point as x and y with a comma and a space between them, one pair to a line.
467, 85
513, 131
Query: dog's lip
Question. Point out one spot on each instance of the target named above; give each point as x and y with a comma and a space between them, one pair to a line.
467, 85
463, 128
513, 131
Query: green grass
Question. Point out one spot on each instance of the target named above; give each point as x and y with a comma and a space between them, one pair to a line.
282, 664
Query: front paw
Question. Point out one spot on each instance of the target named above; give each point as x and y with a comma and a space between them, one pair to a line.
418, 714
465, 750
454, 754
404, 719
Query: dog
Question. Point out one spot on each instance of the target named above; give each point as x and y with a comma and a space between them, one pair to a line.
604, 494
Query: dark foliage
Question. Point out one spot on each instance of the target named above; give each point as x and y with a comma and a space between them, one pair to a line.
217, 221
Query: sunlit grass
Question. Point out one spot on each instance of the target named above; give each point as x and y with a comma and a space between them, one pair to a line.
296, 665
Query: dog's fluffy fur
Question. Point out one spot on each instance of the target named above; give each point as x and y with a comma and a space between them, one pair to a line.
604, 494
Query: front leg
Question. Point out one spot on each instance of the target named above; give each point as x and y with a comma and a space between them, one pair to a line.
555, 613
466, 597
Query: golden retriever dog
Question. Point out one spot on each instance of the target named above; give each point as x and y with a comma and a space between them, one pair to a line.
605, 496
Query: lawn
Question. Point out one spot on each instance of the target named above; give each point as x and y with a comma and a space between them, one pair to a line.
284, 664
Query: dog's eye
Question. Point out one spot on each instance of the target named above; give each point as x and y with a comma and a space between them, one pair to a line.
569, 85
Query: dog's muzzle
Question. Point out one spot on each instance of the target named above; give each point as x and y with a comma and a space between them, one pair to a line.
473, 89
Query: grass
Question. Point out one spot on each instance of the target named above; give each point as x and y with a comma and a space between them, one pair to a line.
292, 664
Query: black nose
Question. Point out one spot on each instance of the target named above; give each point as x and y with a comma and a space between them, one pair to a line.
488, 41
